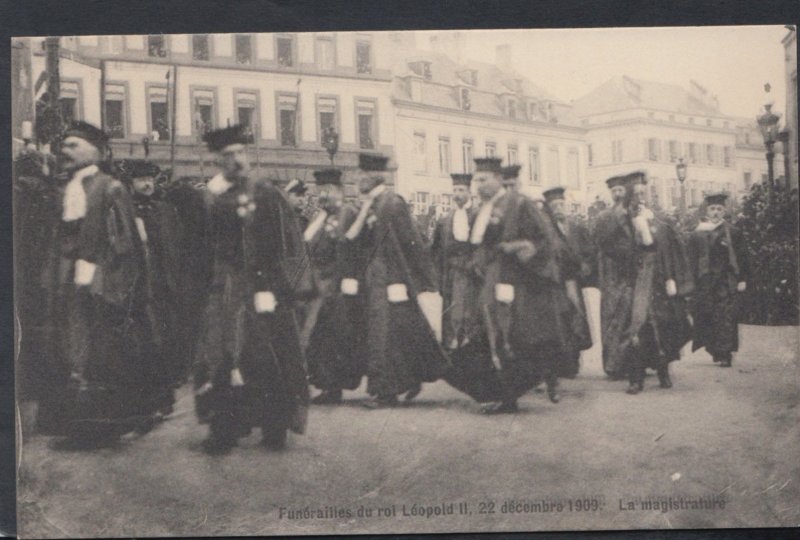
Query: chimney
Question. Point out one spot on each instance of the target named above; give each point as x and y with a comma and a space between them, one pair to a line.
503, 57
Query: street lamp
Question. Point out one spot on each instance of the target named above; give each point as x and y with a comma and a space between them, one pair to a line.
680, 169
768, 124
330, 140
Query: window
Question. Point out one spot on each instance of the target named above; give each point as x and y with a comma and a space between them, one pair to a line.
420, 201
711, 154
446, 202
655, 185
444, 156
244, 48
464, 96
363, 56
491, 149
534, 168
573, 180
203, 111
727, 157
115, 111
589, 155
200, 47
285, 48
764, 178
467, 156
420, 161
652, 149
748, 180
247, 111
674, 196
511, 107
69, 101
695, 197
325, 53
426, 71
156, 46
327, 110
616, 151
287, 118
512, 154
365, 112
746, 137
692, 153
554, 166
673, 151
159, 113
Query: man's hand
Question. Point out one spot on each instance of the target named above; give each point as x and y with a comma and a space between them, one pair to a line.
672, 289
265, 302
741, 286
349, 286
84, 272
236, 377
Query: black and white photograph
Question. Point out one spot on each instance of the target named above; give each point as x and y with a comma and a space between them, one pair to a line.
405, 281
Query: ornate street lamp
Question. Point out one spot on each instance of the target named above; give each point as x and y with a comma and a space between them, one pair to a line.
768, 124
330, 141
680, 169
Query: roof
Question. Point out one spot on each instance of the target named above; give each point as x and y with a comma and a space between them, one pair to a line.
624, 92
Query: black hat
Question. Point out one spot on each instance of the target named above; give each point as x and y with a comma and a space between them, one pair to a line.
553, 194
716, 198
490, 164
297, 186
615, 181
372, 162
638, 177
511, 172
460, 179
220, 138
87, 132
328, 177
128, 169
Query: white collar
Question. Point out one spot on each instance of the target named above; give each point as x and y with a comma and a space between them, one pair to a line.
219, 184
705, 226
80, 174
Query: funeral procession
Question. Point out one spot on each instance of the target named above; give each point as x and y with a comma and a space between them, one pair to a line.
362, 282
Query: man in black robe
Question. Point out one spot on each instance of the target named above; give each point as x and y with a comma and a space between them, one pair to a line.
721, 270
249, 370
100, 385
573, 270
403, 310
332, 335
296, 192
451, 251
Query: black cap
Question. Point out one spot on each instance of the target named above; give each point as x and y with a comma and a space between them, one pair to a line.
490, 164
128, 169
553, 194
460, 179
638, 177
372, 162
615, 181
716, 198
87, 132
297, 186
511, 172
220, 138
328, 177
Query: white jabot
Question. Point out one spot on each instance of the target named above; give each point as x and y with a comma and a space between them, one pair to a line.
75, 195
461, 223
219, 184
482, 221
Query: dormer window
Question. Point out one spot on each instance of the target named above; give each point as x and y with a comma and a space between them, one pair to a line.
421, 68
469, 76
511, 107
464, 98
426, 70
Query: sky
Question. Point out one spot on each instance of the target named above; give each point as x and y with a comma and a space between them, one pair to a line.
733, 62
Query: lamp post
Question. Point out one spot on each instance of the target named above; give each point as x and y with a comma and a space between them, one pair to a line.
330, 141
680, 169
768, 124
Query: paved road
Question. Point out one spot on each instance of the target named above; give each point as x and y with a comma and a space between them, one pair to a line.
731, 433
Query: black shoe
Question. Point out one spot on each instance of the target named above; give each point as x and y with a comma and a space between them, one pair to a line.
500, 407
216, 445
414, 392
663, 379
273, 438
635, 388
552, 392
381, 402
328, 397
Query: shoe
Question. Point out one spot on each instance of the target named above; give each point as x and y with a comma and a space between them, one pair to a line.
552, 392
725, 363
216, 445
273, 438
635, 388
381, 402
414, 392
716, 359
663, 379
328, 397
500, 407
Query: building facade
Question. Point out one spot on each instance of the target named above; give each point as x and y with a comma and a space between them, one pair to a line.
790, 146
286, 88
751, 156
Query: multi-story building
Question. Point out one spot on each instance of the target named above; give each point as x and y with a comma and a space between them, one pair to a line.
634, 124
751, 160
449, 111
790, 61
287, 88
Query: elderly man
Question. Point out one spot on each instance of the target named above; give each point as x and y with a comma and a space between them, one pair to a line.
100, 386
250, 370
399, 282
721, 269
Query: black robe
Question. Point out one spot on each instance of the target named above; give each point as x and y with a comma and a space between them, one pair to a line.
252, 245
